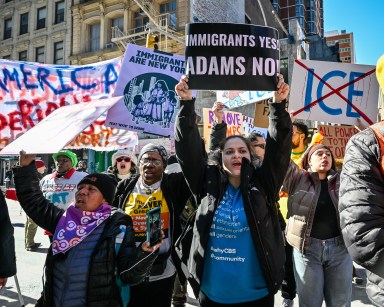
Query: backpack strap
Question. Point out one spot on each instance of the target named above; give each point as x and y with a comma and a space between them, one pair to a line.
123, 288
378, 129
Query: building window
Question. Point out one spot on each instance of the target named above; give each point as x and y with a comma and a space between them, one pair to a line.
59, 12
58, 53
170, 8
118, 23
24, 23
39, 57
7, 57
94, 37
41, 15
8, 28
140, 21
23, 56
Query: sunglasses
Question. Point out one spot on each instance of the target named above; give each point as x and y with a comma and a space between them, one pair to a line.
262, 146
123, 159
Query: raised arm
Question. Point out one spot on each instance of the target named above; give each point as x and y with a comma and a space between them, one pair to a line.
29, 194
219, 127
189, 151
278, 142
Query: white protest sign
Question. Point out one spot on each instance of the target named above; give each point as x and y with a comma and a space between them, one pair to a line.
248, 127
61, 126
234, 99
29, 92
148, 86
334, 92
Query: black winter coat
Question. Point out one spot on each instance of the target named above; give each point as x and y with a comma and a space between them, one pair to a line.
7, 242
361, 207
259, 187
176, 194
101, 288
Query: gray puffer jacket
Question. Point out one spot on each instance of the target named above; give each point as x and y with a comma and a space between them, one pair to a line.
361, 209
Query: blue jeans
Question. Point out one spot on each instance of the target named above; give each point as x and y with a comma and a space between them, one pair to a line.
324, 272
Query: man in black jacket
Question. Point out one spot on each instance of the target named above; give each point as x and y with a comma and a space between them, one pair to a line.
7, 244
136, 195
361, 203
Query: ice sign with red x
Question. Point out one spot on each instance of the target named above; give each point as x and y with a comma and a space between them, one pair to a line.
334, 92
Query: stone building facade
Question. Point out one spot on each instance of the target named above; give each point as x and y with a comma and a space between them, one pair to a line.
36, 31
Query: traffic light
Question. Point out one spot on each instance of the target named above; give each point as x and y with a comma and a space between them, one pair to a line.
152, 41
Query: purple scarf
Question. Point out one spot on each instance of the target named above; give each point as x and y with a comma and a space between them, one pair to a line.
75, 225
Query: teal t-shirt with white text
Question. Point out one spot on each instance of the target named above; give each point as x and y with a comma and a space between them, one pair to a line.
232, 271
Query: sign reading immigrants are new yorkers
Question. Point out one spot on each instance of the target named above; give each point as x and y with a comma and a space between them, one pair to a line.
226, 56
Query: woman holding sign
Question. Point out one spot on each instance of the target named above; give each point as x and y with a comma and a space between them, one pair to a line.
237, 251
322, 265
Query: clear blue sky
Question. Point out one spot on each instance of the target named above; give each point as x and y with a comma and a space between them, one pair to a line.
362, 17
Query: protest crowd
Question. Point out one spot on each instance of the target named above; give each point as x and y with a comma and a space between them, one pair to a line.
243, 216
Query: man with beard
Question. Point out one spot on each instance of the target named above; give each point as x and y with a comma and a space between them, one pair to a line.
300, 134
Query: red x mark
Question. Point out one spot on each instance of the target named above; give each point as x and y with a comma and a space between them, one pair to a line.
335, 91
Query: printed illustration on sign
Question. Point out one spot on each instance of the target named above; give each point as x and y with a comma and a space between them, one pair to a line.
149, 99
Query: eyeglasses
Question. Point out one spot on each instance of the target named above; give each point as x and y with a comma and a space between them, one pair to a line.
262, 146
154, 162
127, 159
62, 161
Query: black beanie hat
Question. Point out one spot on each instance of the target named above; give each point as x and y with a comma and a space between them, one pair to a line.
104, 182
155, 148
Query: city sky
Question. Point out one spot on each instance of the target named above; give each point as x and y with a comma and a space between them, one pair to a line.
363, 18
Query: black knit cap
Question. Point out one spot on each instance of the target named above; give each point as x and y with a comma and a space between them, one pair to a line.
155, 148
104, 182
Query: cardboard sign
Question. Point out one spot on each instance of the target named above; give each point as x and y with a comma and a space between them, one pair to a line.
226, 56
261, 118
234, 122
60, 127
337, 137
334, 92
234, 99
148, 85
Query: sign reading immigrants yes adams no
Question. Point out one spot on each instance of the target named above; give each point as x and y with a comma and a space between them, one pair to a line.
225, 56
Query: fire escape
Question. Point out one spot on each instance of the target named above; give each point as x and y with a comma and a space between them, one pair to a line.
158, 25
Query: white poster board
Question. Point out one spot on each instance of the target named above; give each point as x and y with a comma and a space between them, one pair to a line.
147, 81
234, 99
334, 92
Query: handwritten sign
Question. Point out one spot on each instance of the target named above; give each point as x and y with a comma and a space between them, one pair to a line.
334, 92
59, 127
234, 99
248, 127
336, 138
234, 122
150, 102
225, 56
29, 92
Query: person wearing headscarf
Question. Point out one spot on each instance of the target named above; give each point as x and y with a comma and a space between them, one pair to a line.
153, 187
124, 163
82, 263
322, 265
